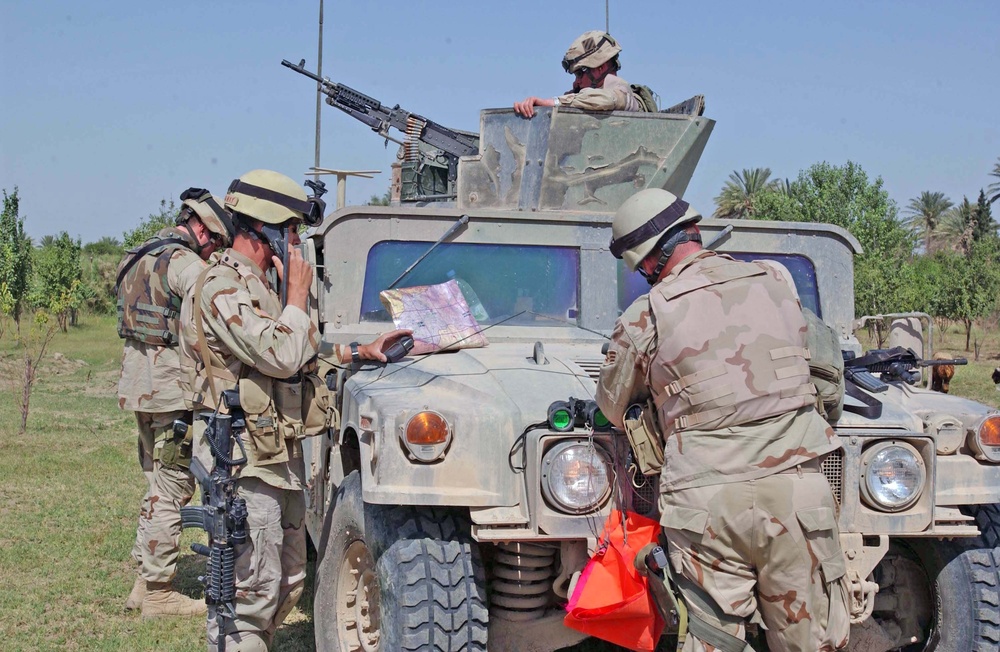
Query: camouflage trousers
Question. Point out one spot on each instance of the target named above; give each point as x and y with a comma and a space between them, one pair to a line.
770, 544
169, 487
271, 566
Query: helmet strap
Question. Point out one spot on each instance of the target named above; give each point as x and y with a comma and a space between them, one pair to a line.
195, 244
668, 245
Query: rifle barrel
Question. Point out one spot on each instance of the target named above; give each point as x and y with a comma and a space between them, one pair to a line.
301, 70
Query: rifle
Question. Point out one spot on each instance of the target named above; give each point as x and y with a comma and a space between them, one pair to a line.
897, 363
380, 118
223, 514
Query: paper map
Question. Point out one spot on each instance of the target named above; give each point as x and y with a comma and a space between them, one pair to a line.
438, 315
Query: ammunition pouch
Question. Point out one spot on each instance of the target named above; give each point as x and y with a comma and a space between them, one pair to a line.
266, 438
644, 437
318, 413
173, 450
288, 403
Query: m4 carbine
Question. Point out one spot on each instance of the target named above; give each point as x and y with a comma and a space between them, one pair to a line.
223, 514
380, 118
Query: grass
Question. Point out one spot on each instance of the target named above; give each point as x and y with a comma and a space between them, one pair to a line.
69, 495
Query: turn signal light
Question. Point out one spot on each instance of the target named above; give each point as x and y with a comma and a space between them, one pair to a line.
427, 429
989, 432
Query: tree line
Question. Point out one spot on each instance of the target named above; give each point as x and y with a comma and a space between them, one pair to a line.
937, 257
59, 275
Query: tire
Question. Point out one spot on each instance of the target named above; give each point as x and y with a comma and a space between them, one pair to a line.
967, 590
397, 578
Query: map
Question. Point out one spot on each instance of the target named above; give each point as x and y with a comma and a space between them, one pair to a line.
438, 315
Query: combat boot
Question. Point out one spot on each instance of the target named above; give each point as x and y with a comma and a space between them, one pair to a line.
134, 600
162, 600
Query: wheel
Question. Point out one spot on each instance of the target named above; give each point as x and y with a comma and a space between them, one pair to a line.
397, 578
943, 595
967, 590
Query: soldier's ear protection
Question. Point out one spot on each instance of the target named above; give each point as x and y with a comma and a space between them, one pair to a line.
311, 209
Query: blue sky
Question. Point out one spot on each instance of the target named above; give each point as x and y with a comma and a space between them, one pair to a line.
108, 107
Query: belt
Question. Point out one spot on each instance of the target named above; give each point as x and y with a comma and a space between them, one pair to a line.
814, 465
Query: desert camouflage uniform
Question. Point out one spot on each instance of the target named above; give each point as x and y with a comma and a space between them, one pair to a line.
150, 386
750, 520
251, 337
614, 95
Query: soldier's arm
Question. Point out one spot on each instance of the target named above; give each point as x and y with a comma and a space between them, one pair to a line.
615, 96
278, 346
623, 374
183, 271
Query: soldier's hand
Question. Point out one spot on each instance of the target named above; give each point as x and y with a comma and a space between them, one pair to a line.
527, 106
376, 350
300, 275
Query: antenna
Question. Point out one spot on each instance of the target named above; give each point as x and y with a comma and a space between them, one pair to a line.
607, 17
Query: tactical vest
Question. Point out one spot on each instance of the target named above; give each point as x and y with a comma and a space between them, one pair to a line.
148, 311
731, 346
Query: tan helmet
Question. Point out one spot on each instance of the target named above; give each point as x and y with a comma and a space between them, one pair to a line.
208, 208
642, 220
590, 50
270, 197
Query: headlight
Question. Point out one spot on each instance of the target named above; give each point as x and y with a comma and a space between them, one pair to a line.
985, 440
894, 476
575, 477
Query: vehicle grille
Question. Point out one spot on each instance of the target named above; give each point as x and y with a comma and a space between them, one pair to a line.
591, 367
833, 469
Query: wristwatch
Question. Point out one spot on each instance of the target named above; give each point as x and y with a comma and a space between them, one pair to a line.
355, 356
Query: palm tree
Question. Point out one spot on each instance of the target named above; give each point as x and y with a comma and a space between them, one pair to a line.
994, 188
924, 213
956, 227
737, 197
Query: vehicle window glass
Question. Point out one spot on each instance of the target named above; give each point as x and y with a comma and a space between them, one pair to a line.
632, 284
498, 280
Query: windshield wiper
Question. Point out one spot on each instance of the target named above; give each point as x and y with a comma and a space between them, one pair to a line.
462, 221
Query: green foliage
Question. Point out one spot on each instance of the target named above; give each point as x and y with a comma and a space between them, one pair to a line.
108, 245
151, 224
739, 196
384, 200
844, 196
985, 226
924, 214
968, 284
98, 283
57, 282
994, 188
15, 258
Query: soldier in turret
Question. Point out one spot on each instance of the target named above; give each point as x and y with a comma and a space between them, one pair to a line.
716, 351
592, 59
152, 281
237, 333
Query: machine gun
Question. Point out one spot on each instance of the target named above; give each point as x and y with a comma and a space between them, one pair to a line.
417, 129
893, 364
223, 514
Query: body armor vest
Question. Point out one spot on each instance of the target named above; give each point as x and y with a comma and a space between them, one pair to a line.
148, 311
731, 346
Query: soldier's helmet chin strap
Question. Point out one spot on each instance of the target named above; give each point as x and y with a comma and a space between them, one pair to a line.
667, 247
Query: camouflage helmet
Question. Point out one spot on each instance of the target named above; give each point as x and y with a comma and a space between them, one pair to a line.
642, 220
590, 50
272, 198
207, 208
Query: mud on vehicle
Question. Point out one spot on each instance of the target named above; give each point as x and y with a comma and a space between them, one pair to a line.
453, 506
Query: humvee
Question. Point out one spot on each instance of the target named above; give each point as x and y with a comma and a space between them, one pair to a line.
451, 509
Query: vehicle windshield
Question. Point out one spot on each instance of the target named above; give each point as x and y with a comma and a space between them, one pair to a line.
632, 285
498, 280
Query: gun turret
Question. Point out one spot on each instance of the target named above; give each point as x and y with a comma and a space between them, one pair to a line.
416, 129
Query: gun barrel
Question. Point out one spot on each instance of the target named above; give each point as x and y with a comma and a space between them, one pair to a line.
939, 363
302, 70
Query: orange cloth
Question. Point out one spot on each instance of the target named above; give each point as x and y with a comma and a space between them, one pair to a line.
611, 600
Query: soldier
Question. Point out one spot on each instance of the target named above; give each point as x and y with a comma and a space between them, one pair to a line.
593, 60
152, 281
237, 333
716, 351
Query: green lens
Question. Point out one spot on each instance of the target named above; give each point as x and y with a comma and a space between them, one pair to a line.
600, 421
561, 419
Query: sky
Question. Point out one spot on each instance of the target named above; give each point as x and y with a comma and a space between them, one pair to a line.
108, 107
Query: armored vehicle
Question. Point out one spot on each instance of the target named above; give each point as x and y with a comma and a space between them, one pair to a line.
457, 497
